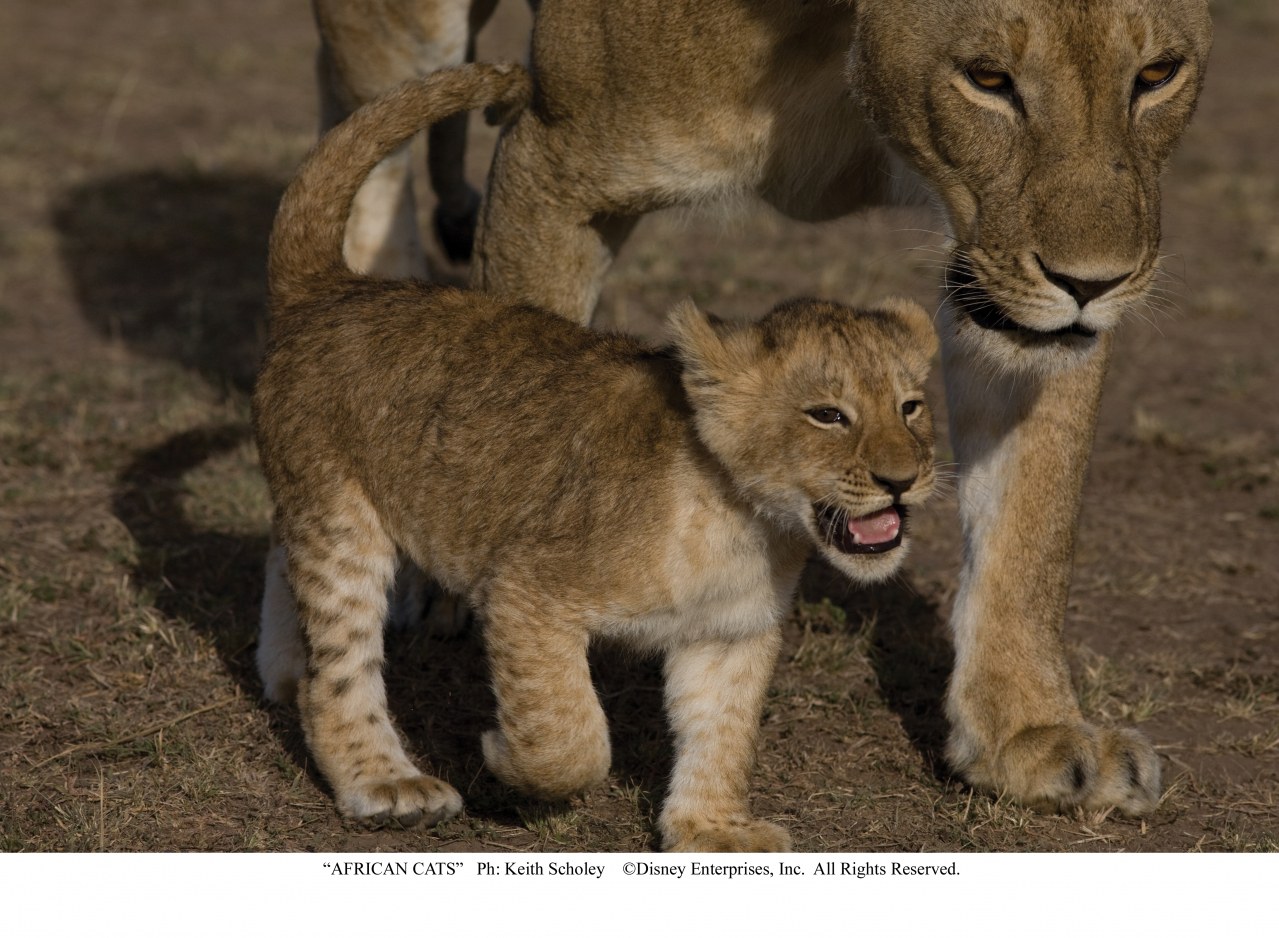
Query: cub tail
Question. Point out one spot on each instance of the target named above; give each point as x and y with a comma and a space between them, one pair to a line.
310, 226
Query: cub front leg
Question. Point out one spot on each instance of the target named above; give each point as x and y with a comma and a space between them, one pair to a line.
552, 736
1022, 443
714, 697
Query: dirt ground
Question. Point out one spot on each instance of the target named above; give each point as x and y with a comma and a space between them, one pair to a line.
143, 147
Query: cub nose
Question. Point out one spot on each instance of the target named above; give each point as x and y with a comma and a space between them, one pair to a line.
894, 487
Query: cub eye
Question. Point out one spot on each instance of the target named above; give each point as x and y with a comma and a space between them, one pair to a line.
828, 415
911, 407
991, 79
1156, 74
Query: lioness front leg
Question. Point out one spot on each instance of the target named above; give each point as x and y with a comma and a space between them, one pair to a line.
552, 736
714, 697
1022, 443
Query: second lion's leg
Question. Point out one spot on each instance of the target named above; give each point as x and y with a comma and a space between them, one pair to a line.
1022, 443
714, 698
382, 233
457, 202
367, 49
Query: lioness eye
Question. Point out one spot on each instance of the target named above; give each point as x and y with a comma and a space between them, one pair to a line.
989, 79
830, 415
911, 407
1156, 74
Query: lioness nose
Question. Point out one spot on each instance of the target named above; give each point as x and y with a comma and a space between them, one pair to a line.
1080, 290
894, 487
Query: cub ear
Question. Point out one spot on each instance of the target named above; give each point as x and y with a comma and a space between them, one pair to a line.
689, 326
705, 345
918, 323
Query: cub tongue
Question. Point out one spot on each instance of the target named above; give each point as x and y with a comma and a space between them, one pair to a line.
877, 528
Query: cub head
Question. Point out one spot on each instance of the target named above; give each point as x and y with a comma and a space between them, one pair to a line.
1043, 127
818, 414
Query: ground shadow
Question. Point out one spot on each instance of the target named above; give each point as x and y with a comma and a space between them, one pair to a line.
209, 579
173, 264
908, 651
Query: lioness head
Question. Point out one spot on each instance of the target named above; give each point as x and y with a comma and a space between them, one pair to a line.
1043, 126
818, 414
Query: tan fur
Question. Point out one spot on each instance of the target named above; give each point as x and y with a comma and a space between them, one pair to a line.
1052, 199
571, 485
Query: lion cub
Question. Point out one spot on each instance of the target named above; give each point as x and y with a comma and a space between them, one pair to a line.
571, 485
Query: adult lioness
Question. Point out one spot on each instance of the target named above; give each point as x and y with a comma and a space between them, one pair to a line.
1041, 127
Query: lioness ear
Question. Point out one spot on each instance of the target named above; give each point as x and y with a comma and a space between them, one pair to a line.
918, 322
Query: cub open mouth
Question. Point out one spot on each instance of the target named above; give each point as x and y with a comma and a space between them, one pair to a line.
986, 313
876, 533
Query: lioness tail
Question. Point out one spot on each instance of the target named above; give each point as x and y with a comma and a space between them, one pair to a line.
310, 227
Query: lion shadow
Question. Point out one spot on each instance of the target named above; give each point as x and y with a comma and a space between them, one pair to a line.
173, 265
908, 651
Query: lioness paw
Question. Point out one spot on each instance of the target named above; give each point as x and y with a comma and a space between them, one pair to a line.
1128, 776
732, 835
1063, 767
402, 802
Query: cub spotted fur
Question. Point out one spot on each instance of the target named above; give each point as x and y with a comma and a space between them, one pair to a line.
572, 485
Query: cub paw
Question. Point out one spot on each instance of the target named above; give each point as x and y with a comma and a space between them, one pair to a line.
448, 615
417, 600
728, 835
409, 596
1063, 767
401, 802
553, 776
